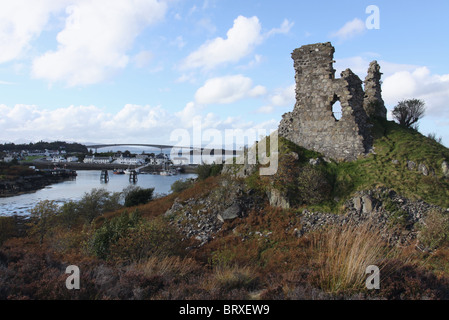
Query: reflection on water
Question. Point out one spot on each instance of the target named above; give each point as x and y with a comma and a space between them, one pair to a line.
85, 182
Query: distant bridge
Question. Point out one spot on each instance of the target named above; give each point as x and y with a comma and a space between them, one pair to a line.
212, 151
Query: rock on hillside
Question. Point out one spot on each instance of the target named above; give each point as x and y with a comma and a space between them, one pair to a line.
201, 218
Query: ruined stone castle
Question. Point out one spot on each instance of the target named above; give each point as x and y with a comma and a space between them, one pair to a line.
313, 124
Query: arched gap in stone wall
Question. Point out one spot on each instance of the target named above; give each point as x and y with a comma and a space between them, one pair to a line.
337, 111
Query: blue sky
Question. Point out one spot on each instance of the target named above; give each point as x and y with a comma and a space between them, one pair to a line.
135, 71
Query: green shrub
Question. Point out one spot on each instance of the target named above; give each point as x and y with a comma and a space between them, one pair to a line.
43, 219
313, 186
129, 238
111, 231
8, 228
98, 202
205, 171
181, 185
137, 196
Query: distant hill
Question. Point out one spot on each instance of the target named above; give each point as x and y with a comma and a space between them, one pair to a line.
41, 145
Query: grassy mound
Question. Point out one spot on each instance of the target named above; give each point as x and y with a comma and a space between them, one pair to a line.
398, 154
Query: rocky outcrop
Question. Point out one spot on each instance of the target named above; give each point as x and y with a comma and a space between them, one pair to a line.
201, 218
445, 169
277, 199
398, 217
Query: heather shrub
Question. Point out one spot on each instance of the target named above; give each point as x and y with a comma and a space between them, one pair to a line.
148, 238
181, 185
434, 233
313, 186
98, 202
130, 238
205, 171
43, 219
136, 196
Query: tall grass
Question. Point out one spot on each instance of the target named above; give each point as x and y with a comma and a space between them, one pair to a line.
343, 253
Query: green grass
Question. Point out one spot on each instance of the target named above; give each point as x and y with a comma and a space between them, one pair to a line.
394, 142
391, 142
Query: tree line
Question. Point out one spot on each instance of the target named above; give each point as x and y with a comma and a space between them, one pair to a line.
42, 145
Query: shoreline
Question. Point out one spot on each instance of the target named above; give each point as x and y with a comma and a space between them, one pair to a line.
27, 185
31, 184
39, 164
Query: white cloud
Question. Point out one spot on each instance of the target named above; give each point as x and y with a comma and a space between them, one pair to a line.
359, 65
178, 42
228, 89
283, 29
241, 40
7, 83
419, 83
284, 96
130, 124
143, 58
350, 29
405, 81
95, 40
85, 123
21, 21
280, 98
265, 109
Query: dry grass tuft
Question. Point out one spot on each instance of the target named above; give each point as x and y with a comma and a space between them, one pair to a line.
344, 253
172, 266
233, 277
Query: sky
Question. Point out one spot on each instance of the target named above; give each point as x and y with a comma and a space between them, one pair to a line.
138, 71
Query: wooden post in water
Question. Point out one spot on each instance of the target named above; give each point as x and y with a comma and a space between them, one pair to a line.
104, 176
133, 176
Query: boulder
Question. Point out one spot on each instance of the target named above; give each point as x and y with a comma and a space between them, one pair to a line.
277, 199
445, 169
230, 213
315, 162
423, 169
368, 205
411, 165
357, 204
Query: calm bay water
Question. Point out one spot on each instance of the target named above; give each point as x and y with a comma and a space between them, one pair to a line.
85, 182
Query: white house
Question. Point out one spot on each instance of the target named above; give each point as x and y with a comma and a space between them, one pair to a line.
8, 158
72, 159
58, 159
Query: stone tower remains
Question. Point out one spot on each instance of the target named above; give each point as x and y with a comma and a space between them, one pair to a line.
312, 124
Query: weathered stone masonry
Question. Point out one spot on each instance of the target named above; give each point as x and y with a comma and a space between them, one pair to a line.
312, 123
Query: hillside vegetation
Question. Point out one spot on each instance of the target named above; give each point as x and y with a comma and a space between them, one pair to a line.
308, 232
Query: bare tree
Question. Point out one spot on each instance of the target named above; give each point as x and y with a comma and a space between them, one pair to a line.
409, 112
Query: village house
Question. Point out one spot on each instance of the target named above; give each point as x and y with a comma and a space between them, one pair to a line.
72, 159
58, 159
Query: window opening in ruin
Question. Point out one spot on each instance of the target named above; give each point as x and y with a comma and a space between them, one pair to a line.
336, 110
